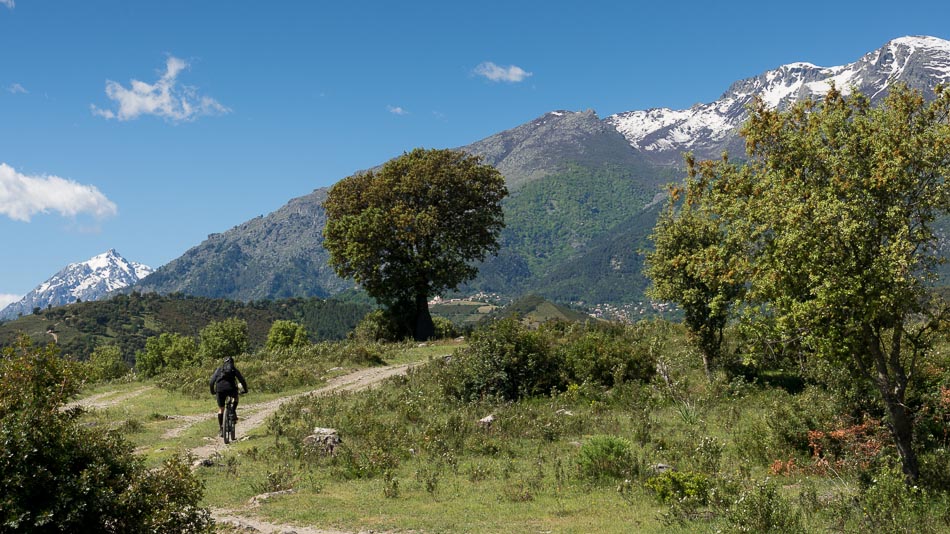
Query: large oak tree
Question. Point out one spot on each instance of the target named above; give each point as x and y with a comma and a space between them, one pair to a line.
415, 228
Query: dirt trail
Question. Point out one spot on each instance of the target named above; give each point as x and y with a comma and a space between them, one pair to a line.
237, 520
254, 415
111, 399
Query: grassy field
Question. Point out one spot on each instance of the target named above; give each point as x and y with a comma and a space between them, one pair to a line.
585, 458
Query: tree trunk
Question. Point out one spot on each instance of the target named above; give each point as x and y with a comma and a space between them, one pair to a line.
892, 381
423, 328
901, 425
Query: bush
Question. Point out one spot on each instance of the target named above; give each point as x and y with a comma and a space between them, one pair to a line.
890, 505
106, 363
62, 476
164, 352
504, 360
221, 339
284, 334
761, 509
609, 357
607, 458
444, 329
676, 486
376, 326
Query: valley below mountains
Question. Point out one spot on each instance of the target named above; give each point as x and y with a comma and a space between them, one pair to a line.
584, 193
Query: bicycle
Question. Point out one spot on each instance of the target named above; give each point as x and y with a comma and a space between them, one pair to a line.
229, 425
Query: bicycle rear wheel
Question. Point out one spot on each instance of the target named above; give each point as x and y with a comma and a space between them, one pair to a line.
233, 425
228, 433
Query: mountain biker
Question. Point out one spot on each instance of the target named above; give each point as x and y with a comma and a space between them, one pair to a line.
224, 383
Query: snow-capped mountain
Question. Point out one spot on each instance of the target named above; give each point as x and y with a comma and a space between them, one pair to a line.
706, 129
88, 280
584, 193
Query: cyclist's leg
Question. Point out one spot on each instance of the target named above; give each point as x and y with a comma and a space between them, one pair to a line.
221, 399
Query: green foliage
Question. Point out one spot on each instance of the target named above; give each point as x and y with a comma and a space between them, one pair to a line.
506, 360
830, 229
221, 339
414, 228
287, 334
762, 509
692, 264
69, 477
106, 363
130, 320
377, 325
164, 352
606, 458
890, 506
444, 329
673, 486
609, 355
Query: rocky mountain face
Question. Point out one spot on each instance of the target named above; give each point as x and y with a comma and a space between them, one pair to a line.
275, 256
90, 280
706, 130
584, 192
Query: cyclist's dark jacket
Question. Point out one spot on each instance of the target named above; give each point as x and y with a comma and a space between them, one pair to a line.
225, 378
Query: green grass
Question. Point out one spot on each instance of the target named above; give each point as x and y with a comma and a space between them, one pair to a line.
414, 460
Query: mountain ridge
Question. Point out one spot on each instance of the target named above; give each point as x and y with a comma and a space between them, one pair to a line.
707, 129
582, 188
87, 280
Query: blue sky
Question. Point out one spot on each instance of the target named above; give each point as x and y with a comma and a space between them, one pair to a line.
145, 126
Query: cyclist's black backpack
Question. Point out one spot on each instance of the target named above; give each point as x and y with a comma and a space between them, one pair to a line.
226, 373
227, 370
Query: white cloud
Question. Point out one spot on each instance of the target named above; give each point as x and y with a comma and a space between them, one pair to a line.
165, 98
8, 3
16, 88
497, 73
23, 196
6, 299
397, 110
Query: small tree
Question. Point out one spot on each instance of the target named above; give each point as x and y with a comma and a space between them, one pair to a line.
221, 339
837, 206
165, 351
286, 334
694, 265
106, 363
414, 228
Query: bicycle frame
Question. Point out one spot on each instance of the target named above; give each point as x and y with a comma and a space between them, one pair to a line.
230, 419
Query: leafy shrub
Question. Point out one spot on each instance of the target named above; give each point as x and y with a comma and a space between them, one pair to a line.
106, 363
362, 353
606, 458
762, 509
890, 505
287, 334
673, 486
164, 352
444, 328
708, 455
609, 356
504, 360
791, 417
63, 476
221, 339
377, 325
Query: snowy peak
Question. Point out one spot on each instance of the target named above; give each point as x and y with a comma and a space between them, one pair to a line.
92, 279
707, 129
